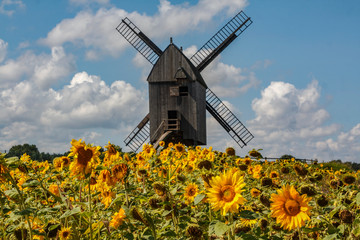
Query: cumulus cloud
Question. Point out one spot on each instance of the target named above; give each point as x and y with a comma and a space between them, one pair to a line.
345, 146
44, 70
79, 109
290, 120
96, 31
227, 80
7, 6
89, 102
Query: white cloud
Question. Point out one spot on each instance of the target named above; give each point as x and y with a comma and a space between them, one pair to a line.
95, 31
52, 68
89, 102
43, 70
6, 6
291, 121
228, 80
345, 146
3, 49
81, 109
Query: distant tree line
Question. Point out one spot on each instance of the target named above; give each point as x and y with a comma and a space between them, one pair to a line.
33, 152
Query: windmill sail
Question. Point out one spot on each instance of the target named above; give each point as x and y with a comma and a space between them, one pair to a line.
220, 40
139, 40
139, 135
227, 119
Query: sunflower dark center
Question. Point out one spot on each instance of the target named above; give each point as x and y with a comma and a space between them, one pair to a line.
191, 192
292, 207
227, 193
84, 156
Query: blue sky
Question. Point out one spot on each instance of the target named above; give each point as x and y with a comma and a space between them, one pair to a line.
292, 77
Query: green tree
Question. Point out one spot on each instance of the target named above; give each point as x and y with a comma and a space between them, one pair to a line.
286, 156
31, 150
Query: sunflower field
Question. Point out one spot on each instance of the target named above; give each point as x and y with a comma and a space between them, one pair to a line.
175, 192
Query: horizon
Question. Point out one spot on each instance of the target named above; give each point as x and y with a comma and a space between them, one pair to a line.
291, 78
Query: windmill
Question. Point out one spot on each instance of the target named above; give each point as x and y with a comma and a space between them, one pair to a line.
178, 95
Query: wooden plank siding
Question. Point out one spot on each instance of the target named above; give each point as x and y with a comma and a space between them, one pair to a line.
173, 70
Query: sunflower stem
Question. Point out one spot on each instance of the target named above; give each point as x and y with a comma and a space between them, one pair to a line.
90, 217
300, 234
231, 230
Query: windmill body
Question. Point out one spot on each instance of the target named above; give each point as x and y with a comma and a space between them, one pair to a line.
178, 95
177, 99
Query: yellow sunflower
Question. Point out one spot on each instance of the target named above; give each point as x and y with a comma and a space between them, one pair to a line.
117, 219
191, 191
224, 192
65, 233
57, 164
106, 196
54, 189
255, 192
289, 208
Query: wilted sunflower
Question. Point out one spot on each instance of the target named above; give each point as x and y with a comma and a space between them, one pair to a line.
117, 219
290, 209
65, 233
191, 191
180, 148
110, 150
85, 157
119, 171
225, 192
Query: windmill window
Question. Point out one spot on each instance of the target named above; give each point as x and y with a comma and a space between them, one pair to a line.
183, 91
174, 91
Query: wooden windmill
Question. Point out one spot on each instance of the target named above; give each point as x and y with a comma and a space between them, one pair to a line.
178, 95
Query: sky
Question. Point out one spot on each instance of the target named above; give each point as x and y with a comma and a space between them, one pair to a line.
292, 77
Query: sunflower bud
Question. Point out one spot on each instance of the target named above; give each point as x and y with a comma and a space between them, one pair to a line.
159, 188
300, 170
265, 200
154, 202
138, 216
194, 232
230, 151
346, 216
263, 224
308, 190
349, 179
285, 170
266, 182
322, 201
205, 164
